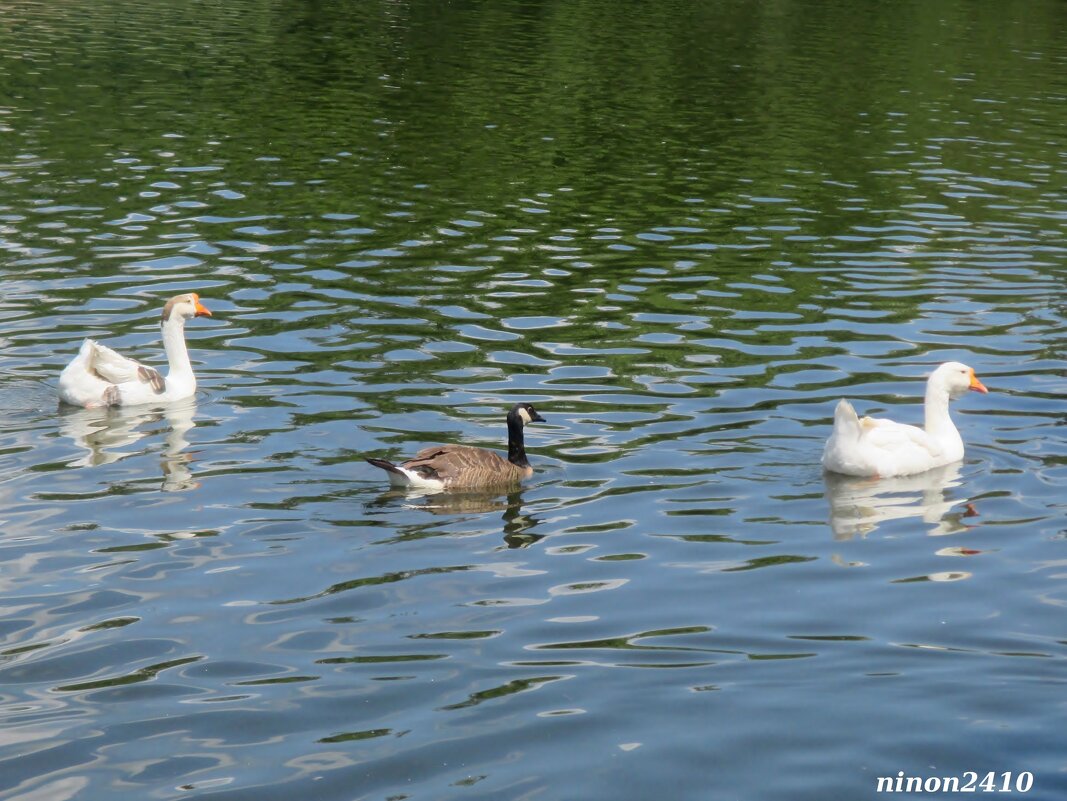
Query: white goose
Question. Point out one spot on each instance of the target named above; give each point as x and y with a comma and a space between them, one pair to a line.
98, 376
882, 448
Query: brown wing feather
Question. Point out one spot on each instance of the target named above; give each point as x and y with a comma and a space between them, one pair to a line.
151, 376
464, 466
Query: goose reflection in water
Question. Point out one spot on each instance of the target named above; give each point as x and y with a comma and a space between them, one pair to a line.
517, 526
860, 505
103, 434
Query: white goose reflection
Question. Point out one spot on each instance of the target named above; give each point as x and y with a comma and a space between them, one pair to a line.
859, 505
105, 433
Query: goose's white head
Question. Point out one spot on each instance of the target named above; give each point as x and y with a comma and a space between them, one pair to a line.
956, 379
183, 307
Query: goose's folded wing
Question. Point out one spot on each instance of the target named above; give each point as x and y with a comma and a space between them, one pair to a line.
110, 365
115, 368
460, 464
897, 437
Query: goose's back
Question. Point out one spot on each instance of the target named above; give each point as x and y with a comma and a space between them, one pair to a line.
465, 466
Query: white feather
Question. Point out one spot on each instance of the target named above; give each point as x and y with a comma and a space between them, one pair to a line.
409, 478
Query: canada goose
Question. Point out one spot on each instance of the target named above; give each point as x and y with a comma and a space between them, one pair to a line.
462, 466
98, 376
883, 448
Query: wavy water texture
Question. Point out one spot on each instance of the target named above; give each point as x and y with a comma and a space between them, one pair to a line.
682, 233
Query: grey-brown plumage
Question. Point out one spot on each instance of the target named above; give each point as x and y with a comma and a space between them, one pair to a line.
464, 466
112, 396
149, 375
168, 307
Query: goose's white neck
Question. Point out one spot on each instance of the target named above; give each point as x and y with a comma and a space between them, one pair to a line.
938, 422
177, 352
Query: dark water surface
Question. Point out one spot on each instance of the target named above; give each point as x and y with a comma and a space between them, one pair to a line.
682, 231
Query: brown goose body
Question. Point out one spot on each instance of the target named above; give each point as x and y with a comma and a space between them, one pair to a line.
464, 466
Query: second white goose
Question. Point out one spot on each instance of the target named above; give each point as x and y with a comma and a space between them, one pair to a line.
871, 446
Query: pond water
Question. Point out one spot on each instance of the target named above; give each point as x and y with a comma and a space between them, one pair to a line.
682, 231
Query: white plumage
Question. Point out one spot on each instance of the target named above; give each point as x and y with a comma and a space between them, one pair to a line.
876, 447
99, 376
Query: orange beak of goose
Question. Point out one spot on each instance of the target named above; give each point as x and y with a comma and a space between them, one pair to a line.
202, 311
977, 385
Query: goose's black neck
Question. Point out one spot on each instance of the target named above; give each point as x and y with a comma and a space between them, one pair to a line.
516, 444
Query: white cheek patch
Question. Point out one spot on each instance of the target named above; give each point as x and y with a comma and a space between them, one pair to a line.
525, 415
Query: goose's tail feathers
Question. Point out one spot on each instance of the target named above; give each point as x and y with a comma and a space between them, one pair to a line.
396, 474
846, 421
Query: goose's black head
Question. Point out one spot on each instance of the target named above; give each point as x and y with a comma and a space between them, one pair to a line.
523, 413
